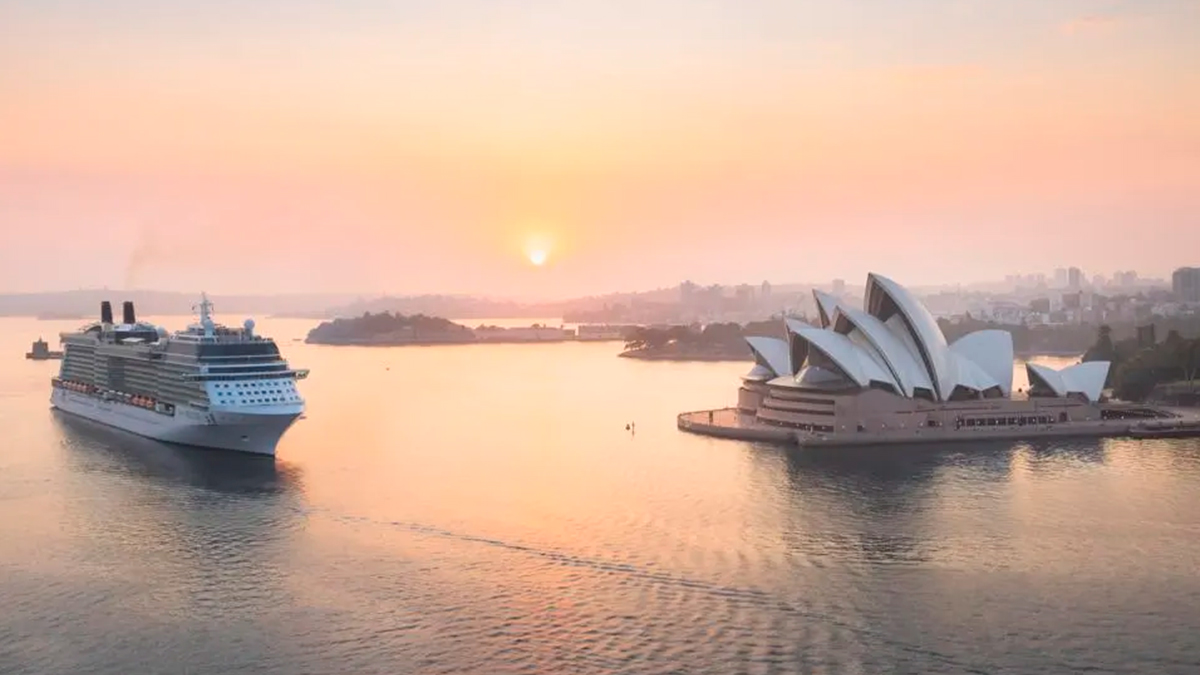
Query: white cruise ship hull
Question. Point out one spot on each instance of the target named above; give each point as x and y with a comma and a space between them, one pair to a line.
254, 430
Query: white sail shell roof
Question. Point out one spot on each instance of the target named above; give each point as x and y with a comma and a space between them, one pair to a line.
991, 350
1082, 378
826, 307
895, 341
972, 376
928, 338
797, 347
905, 366
770, 353
854, 361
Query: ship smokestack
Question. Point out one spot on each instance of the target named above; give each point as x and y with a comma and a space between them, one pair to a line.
106, 312
127, 315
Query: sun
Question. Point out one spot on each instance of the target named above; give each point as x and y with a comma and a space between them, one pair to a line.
538, 247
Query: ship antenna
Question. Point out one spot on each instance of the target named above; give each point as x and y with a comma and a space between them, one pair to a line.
205, 308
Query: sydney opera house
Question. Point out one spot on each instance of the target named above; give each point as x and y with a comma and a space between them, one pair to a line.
886, 373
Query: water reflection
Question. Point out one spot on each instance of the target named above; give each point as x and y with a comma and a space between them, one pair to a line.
1059, 454
895, 504
165, 532
95, 447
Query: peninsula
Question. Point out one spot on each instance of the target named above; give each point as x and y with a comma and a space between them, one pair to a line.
713, 342
388, 329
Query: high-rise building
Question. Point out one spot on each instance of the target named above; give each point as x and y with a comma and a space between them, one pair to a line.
839, 287
1074, 278
1185, 283
765, 291
1124, 279
1060, 277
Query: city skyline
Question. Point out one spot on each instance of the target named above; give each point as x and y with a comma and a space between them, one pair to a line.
1058, 278
418, 147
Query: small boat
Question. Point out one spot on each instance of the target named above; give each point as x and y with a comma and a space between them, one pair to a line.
40, 351
1181, 429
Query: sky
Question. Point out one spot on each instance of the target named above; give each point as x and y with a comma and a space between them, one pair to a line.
406, 146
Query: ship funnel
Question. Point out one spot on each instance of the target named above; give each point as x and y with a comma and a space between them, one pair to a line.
127, 315
106, 312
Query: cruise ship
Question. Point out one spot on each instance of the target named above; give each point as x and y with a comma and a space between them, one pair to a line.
208, 386
885, 374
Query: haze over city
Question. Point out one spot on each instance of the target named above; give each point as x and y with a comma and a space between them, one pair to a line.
417, 147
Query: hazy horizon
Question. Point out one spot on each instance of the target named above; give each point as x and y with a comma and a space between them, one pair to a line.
420, 147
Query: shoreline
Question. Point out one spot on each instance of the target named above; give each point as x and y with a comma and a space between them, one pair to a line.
699, 356
739, 425
435, 343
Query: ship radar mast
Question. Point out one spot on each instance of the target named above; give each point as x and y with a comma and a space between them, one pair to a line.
205, 308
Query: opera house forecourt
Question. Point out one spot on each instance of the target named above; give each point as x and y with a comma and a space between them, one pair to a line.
886, 374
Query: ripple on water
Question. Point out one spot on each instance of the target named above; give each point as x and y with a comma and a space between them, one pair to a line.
543, 538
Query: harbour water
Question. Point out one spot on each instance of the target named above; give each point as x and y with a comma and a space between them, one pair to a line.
483, 509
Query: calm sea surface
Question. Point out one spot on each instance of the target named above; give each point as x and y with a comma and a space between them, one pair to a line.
482, 509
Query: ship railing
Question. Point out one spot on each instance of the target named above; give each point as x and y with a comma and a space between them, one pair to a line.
291, 373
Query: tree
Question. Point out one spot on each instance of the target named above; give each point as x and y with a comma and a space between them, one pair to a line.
722, 334
1103, 350
680, 334
1189, 352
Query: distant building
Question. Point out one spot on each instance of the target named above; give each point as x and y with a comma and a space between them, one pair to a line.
1040, 305
744, 293
1072, 300
1125, 279
1185, 284
1060, 278
1074, 278
839, 287
1145, 336
765, 291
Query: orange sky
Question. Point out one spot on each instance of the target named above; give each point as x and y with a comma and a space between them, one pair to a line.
419, 146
